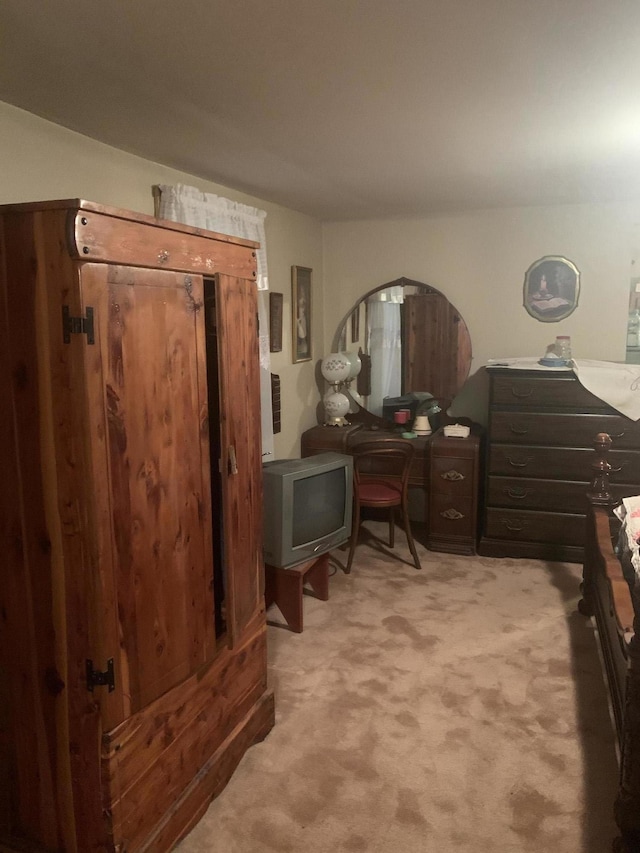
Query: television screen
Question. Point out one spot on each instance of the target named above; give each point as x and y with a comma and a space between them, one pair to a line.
307, 507
318, 506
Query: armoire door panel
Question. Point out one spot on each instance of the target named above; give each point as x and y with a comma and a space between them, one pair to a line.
146, 377
241, 462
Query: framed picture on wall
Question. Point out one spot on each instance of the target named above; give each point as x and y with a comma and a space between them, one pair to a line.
355, 325
275, 322
551, 288
301, 313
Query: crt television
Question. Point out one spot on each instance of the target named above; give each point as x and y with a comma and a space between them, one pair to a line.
307, 507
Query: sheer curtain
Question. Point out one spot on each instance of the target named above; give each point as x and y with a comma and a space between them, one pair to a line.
385, 347
182, 203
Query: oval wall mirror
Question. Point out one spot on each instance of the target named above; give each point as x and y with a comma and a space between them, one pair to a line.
414, 345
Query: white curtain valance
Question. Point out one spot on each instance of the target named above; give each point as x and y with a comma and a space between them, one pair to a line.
182, 203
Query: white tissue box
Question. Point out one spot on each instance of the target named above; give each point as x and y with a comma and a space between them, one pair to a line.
456, 431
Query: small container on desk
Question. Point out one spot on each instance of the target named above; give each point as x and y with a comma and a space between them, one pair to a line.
453, 500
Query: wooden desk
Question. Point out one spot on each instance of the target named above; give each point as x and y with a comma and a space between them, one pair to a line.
320, 439
451, 505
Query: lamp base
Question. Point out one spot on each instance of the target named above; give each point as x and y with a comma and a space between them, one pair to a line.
337, 421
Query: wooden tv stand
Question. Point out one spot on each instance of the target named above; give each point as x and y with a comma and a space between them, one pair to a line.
285, 587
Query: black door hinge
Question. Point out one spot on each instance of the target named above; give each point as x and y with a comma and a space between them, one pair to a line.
95, 678
77, 325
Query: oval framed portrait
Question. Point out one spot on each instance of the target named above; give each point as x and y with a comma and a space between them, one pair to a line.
551, 288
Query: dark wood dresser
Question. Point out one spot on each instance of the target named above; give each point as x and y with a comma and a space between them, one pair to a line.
542, 426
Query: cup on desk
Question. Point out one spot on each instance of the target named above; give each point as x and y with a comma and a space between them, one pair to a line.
401, 416
421, 425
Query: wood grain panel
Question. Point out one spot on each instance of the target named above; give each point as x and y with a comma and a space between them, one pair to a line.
241, 463
212, 777
27, 715
153, 756
50, 636
71, 507
157, 458
99, 237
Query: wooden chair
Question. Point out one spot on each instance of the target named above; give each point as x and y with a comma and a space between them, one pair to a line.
380, 480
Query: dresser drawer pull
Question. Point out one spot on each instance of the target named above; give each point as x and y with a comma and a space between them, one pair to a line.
519, 463
518, 494
518, 430
515, 528
520, 392
452, 514
452, 475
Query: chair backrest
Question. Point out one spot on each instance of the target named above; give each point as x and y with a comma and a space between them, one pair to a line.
383, 459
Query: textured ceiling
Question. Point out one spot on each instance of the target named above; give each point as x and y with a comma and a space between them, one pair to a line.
347, 109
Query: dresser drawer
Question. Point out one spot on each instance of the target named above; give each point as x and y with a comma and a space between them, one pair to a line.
560, 463
530, 526
549, 495
452, 516
568, 430
555, 391
451, 475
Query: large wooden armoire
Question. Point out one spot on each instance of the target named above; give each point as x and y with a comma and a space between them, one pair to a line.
132, 626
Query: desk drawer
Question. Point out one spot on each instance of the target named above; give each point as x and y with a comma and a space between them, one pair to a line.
452, 516
567, 430
556, 391
529, 526
449, 474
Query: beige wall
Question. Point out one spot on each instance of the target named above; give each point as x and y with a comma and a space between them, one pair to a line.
479, 260
40, 160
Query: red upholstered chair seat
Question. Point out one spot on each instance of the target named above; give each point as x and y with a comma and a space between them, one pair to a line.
371, 493
381, 479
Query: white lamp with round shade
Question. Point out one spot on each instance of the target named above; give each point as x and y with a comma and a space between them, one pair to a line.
336, 368
355, 368
355, 364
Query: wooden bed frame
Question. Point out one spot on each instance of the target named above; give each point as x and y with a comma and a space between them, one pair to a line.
610, 599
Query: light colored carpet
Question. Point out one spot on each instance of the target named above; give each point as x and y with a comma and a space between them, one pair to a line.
458, 708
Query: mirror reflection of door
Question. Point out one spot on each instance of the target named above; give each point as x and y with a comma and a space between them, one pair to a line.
417, 342
431, 345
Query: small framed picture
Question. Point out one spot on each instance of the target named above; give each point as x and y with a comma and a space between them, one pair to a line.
355, 325
275, 322
301, 313
551, 288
